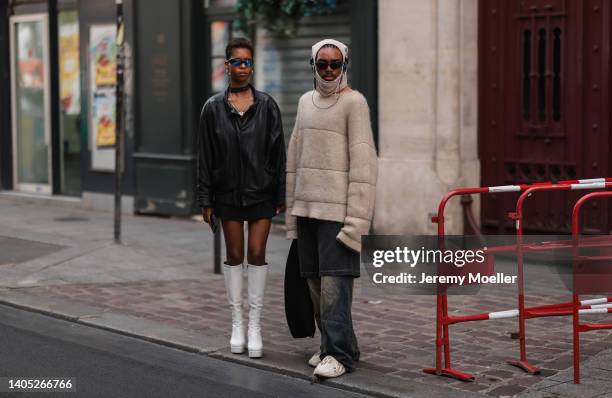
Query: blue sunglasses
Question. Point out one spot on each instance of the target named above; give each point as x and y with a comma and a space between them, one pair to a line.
236, 62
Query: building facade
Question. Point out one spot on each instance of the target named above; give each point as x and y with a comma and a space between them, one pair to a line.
492, 92
462, 93
59, 91
428, 140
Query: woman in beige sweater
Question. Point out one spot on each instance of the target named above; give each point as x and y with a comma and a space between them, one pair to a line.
331, 185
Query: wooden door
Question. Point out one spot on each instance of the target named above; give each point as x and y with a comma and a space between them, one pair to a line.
543, 106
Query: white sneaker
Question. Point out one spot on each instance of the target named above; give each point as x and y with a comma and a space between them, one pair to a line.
315, 359
329, 368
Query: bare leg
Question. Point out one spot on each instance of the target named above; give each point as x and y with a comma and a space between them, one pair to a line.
258, 238
233, 231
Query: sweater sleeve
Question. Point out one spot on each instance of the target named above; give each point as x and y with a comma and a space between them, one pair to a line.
290, 220
363, 172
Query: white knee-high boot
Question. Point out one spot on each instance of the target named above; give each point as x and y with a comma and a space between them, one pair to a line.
233, 285
257, 286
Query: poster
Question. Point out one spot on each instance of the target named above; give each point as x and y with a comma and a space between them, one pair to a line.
103, 56
70, 90
102, 89
30, 50
103, 69
104, 120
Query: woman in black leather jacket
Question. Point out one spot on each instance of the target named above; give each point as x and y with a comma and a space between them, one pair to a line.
241, 177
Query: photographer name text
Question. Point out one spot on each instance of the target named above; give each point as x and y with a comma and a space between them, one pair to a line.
424, 278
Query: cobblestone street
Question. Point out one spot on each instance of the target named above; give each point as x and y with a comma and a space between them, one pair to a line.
396, 333
159, 274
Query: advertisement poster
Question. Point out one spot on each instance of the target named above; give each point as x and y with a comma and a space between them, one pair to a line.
102, 86
70, 91
31, 68
104, 120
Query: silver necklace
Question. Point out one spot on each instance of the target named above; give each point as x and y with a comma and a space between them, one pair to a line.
241, 113
324, 107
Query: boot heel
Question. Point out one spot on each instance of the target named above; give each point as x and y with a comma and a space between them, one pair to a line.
237, 349
255, 353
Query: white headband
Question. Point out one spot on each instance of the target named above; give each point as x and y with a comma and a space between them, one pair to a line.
324, 87
341, 46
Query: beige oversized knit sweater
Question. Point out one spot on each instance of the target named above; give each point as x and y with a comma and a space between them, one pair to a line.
332, 165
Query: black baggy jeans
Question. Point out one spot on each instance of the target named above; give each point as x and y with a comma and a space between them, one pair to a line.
332, 297
330, 269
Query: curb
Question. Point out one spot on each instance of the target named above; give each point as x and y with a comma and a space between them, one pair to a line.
366, 381
74, 319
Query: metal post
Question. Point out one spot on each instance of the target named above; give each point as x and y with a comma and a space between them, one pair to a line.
54, 86
119, 124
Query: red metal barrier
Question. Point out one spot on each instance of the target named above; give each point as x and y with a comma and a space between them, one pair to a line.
443, 320
578, 327
522, 362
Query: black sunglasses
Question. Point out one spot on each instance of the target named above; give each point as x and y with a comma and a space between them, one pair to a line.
322, 65
236, 62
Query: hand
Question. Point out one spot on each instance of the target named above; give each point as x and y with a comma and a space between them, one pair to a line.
207, 214
281, 209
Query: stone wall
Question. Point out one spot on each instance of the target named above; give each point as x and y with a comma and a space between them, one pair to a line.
427, 111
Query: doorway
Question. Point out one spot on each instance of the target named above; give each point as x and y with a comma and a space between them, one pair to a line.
30, 103
544, 89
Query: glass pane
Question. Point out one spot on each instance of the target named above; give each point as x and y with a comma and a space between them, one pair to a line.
69, 62
219, 36
542, 74
220, 3
238, 32
219, 77
526, 73
70, 101
32, 146
557, 76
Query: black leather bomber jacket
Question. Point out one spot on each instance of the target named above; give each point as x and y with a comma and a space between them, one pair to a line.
241, 160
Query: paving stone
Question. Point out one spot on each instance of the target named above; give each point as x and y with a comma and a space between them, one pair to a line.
589, 388
476, 387
408, 374
506, 391
167, 277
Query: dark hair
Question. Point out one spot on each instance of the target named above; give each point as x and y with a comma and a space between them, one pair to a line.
238, 42
329, 45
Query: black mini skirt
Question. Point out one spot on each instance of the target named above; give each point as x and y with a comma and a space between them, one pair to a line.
245, 213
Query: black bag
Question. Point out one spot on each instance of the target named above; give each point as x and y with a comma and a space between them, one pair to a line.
298, 304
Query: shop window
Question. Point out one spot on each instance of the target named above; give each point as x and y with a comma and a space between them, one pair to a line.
219, 3
31, 126
219, 36
221, 32
70, 102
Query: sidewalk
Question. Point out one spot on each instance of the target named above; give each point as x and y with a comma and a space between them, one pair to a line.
159, 285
